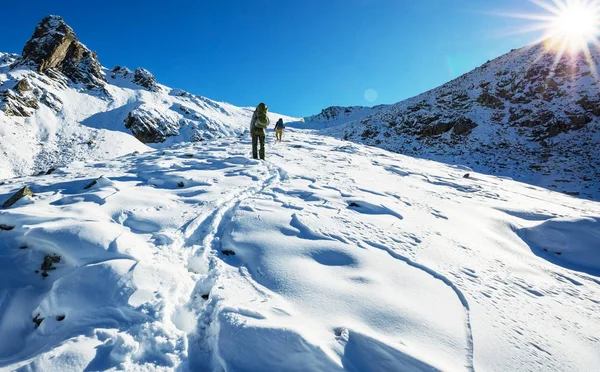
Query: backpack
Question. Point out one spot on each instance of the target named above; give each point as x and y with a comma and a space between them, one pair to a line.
262, 120
280, 124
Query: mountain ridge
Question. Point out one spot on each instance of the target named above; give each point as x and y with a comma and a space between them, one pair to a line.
514, 116
58, 104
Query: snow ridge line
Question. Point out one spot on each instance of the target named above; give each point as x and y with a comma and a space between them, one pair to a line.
217, 222
449, 283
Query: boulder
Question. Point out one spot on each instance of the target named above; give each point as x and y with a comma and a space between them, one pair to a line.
25, 191
23, 86
464, 125
150, 125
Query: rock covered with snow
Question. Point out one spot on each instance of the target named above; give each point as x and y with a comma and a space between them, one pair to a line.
151, 125
54, 45
145, 79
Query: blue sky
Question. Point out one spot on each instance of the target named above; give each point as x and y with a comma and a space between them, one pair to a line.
297, 56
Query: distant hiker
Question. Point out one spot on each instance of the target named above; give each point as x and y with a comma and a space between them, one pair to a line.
258, 125
279, 127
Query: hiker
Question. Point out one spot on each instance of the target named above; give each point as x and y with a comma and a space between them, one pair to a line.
279, 127
258, 125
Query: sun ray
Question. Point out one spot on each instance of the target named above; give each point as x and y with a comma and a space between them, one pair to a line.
568, 27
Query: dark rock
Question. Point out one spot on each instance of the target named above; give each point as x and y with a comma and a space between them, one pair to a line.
38, 320
205, 296
353, 205
467, 175
25, 191
180, 185
149, 125
49, 261
6, 227
60, 318
120, 71
54, 45
489, 100
228, 252
436, 129
145, 79
464, 125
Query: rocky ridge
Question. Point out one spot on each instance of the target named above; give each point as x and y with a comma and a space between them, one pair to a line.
521, 115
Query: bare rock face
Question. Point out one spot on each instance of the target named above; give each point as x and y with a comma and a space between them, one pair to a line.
54, 45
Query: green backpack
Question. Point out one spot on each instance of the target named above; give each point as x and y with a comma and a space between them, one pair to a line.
262, 120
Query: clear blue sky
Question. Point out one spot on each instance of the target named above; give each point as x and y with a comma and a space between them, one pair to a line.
297, 56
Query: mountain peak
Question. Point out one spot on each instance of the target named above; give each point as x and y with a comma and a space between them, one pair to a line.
54, 45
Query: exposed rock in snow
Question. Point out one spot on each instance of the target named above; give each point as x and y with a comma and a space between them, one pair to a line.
25, 191
54, 45
151, 125
145, 79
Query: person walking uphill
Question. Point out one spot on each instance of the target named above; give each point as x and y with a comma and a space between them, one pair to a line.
258, 125
279, 127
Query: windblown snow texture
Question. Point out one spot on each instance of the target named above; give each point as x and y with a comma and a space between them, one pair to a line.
328, 256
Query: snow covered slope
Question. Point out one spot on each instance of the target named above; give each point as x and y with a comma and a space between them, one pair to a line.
328, 256
58, 104
524, 115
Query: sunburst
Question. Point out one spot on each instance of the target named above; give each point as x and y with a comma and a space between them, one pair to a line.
569, 27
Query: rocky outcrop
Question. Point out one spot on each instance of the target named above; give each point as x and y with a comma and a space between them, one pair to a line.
54, 45
120, 71
14, 104
150, 125
464, 125
23, 86
145, 79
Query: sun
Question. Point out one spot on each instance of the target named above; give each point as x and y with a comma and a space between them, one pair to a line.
567, 27
572, 25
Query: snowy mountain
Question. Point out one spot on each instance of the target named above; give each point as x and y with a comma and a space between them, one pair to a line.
524, 115
58, 104
328, 256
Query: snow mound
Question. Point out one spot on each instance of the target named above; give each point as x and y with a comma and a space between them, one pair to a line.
574, 242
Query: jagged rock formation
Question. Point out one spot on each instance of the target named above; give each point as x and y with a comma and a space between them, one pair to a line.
54, 45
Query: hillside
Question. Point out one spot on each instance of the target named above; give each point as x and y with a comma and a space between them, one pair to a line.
523, 115
58, 104
328, 256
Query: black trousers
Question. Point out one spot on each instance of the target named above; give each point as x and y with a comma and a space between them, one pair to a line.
256, 138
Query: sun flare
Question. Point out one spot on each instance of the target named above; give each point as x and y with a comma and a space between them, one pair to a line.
573, 24
567, 28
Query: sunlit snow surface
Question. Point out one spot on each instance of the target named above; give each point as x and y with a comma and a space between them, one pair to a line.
327, 256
